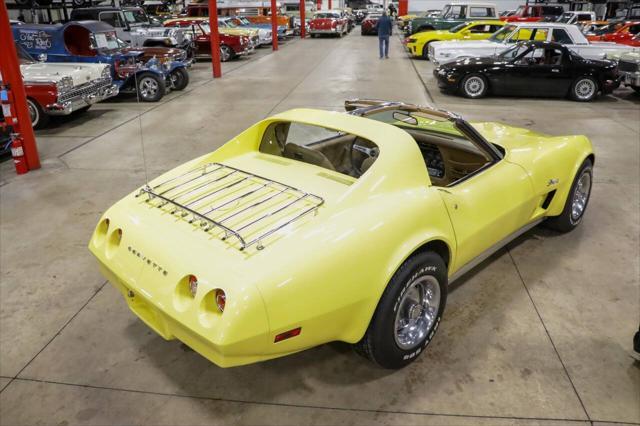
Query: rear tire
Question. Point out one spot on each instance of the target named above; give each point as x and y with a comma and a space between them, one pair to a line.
576, 202
584, 89
179, 78
226, 53
425, 50
403, 324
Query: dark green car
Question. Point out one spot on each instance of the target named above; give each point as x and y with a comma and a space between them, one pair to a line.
452, 15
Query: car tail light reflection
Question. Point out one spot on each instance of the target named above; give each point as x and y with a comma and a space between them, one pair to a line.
221, 299
287, 335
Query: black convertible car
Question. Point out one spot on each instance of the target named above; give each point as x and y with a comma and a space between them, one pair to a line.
535, 68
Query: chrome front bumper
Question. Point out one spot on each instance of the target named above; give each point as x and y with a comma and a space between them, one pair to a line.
85, 96
630, 78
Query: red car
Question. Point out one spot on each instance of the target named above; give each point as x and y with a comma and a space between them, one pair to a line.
369, 25
633, 41
231, 46
534, 13
624, 32
331, 22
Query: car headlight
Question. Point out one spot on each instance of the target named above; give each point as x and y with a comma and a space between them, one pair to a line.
65, 84
106, 72
245, 39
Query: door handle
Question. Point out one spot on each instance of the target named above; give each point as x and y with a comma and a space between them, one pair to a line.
555, 70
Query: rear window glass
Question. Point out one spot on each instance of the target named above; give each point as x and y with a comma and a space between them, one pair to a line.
320, 146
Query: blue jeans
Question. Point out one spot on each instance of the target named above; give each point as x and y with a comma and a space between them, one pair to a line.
384, 44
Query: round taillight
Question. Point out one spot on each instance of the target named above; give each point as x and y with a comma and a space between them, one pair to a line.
221, 299
193, 285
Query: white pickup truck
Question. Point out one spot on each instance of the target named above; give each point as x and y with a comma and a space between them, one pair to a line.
446, 51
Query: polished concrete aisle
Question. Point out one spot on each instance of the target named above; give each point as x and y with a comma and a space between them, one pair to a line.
538, 334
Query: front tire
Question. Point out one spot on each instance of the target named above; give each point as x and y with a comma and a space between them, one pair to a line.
408, 313
425, 50
150, 87
226, 53
584, 89
577, 200
179, 78
39, 118
474, 86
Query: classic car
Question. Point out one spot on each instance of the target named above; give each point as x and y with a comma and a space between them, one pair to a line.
591, 27
622, 33
224, 27
96, 42
300, 230
534, 13
201, 10
452, 14
629, 70
175, 59
418, 44
577, 17
568, 35
257, 36
62, 89
403, 20
633, 41
535, 68
369, 25
231, 46
328, 22
133, 26
243, 22
160, 9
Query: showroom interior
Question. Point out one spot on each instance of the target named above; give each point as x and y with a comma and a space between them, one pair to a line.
293, 228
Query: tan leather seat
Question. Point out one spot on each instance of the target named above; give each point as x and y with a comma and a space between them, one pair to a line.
301, 153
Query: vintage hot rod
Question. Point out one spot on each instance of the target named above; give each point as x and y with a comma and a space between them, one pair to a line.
96, 42
314, 226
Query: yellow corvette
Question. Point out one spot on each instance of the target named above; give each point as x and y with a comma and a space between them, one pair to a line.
418, 44
314, 226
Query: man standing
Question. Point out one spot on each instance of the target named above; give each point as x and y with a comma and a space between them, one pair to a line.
384, 27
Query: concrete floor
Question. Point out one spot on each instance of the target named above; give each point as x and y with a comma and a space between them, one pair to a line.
539, 334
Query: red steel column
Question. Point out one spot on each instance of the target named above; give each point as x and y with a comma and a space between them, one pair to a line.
215, 38
303, 28
403, 7
274, 24
330, 5
11, 75
319, 5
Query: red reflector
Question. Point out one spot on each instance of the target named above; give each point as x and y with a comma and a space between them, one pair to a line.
287, 334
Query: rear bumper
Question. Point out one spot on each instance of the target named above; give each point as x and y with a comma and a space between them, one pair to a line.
196, 331
68, 106
330, 31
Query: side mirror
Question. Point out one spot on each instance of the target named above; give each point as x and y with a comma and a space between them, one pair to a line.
42, 57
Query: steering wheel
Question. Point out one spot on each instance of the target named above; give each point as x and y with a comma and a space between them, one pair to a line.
369, 152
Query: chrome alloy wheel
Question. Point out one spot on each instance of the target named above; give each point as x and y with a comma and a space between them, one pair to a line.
474, 86
417, 312
580, 196
148, 87
225, 53
585, 89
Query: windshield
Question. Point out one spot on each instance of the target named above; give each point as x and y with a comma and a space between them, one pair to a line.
326, 16
136, 16
502, 33
227, 23
565, 17
609, 28
457, 28
25, 58
104, 41
513, 52
519, 11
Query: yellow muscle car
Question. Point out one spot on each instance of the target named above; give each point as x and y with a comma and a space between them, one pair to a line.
314, 226
224, 27
418, 44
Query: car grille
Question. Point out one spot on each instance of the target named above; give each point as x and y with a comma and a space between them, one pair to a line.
627, 66
86, 89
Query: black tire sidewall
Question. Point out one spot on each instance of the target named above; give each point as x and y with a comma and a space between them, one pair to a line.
42, 119
182, 78
161, 87
575, 97
385, 350
586, 167
463, 84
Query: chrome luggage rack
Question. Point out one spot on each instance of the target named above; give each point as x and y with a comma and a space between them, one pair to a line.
238, 203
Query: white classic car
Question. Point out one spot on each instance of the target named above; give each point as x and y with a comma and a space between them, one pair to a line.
447, 51
62, 88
